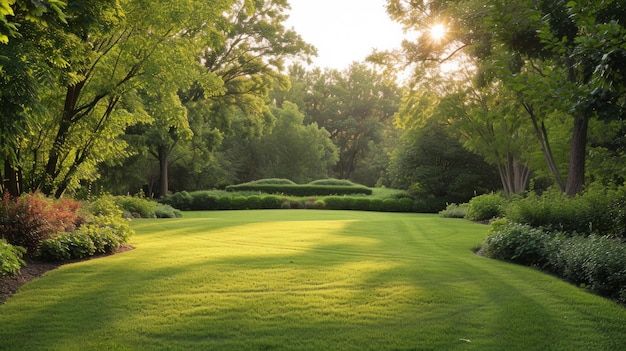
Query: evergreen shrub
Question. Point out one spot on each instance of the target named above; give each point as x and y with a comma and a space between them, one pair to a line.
270, 202
333, 181
203, 201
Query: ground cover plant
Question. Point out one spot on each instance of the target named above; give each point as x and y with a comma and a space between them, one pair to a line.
306, 280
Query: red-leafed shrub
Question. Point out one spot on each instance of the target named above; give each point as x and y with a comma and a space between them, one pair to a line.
32, 218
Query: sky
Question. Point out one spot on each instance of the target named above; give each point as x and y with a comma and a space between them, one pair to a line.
344, 31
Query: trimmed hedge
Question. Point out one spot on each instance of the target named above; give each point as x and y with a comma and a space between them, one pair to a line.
203, 201
301, 190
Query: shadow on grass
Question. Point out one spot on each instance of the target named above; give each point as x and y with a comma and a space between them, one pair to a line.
396, 285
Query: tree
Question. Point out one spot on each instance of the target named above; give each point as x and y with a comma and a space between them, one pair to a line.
355, 106
293, 150
110, 54
430, 162
574, 50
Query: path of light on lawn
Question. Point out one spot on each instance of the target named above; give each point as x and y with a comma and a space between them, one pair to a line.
305, 280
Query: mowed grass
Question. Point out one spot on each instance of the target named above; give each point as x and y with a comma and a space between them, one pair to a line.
306, 280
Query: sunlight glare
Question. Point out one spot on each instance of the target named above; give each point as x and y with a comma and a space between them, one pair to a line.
437, 32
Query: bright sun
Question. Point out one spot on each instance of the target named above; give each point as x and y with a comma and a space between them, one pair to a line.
437, 32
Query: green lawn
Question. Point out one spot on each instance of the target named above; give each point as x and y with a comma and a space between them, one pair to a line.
306, 280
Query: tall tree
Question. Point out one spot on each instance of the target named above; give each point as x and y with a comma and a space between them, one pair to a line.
580, 47
355, 106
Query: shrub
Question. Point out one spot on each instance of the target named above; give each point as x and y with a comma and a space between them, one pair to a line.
405, 204
104, 234
10, 258
376, 204
301, 190
104, 206
361, 204
454, 211
270, 202
203, 201
517, 243
28, 220
333, 181
486, 207
239, 203
598, 263
224, 203
254, 202
273, 181
339, 203
592, 212
167, 211
137, 206
181, 200
390, 205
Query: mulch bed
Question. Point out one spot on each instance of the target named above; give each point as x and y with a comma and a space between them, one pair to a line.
9, 285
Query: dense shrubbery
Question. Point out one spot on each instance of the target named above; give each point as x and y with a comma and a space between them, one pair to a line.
485, 207
594, 262
32, 218
141, 207
596, 211
518, 243
10, 258
302, 190
103, 235
208, 201
580, 239
66, 229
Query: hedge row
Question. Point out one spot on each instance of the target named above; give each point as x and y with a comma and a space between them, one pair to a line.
207, 201
302, 190
593, 262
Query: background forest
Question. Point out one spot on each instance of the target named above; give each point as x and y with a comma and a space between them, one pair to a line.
127, 96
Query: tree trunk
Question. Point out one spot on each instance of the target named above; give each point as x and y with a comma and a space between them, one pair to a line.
542, 136
12, 179
577, 156
163, 178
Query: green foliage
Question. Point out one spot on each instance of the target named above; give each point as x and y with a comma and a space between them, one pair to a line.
486, 207
333, 181
104, 206
253, 202
102, 235
516, 243
10, 258
594, 211
166, 211
273, 181
302, 190
185, 201
455, 211
270, 202
137, 206
597, 263
431, 163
